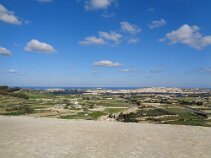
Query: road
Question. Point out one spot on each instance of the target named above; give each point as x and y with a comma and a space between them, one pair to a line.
29, 137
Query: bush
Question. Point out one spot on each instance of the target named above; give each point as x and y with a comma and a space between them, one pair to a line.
158, 112
13, 89
19, 95
131, 117
4, 90
3, 87
19, 110
199, 103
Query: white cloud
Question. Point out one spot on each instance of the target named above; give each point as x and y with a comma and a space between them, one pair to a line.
107, 63
108, 14
8, 16
104, 38
92, 40
128, 70
132, 31
12, 71
37, 46
161, 39
4, 52
158, 23
97, 4
129, 28
133, 40
189, 35
111, 36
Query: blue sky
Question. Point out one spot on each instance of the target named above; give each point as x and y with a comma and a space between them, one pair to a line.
105, 43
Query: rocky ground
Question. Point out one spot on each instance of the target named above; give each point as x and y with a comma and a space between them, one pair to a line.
56, 138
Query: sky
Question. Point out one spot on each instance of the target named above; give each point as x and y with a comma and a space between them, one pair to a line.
105, 43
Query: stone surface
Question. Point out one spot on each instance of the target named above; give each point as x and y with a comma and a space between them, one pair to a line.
54, 138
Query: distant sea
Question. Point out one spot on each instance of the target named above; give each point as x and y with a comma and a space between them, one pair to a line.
81, 88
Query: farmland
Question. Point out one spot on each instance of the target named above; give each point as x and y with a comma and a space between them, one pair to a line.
159, 108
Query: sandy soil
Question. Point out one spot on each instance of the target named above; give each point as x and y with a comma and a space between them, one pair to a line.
29, 137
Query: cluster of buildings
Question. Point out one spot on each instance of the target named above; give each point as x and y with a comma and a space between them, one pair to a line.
146, 90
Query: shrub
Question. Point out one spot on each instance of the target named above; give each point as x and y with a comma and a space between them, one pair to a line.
19, 110
3, 87
19, 95
13, 89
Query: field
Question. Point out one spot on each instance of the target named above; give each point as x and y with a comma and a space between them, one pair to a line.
141, 108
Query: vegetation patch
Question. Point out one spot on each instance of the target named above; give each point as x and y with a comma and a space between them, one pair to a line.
85, 115
114, 110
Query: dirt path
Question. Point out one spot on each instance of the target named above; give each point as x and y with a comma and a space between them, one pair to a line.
53, 138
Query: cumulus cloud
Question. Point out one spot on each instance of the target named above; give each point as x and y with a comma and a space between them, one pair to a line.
104, 38
8, 16
107, 63
190, 36
132, 31
111, 36
4, 52
92, 40
129, 28
37, 46
97, 4
157, 23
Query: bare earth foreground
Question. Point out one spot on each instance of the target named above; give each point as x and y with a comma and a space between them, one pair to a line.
54, 138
